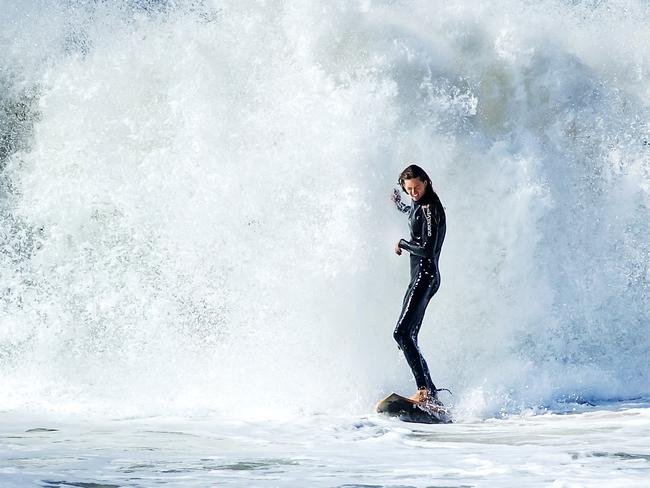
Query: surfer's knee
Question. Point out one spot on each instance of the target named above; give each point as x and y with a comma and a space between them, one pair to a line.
399, 337
403, 338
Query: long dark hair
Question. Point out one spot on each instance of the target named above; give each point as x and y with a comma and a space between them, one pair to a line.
414, 171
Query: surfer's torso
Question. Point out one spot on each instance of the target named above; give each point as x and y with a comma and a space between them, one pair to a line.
427, 224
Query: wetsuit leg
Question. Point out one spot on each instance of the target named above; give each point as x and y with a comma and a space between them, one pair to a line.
420, 291
428, 382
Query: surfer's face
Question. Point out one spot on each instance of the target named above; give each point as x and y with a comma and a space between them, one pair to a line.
415, 187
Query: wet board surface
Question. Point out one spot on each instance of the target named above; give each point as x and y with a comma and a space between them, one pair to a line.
407, 410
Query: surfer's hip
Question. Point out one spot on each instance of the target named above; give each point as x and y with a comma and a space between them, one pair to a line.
424, 269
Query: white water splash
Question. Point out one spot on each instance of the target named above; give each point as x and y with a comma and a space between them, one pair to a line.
200, 211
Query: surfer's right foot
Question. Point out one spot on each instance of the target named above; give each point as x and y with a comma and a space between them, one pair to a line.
426, 399
421, 394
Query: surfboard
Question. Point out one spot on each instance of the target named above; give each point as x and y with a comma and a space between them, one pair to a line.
407, 410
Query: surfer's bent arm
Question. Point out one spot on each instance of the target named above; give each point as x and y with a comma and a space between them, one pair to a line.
401, 206
429, 236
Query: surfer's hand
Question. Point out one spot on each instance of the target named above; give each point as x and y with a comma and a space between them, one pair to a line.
396, 197
398, 250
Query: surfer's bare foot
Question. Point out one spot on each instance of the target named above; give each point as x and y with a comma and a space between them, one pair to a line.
427, 400
419, 396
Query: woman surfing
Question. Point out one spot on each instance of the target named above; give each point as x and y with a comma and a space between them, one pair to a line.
427, 223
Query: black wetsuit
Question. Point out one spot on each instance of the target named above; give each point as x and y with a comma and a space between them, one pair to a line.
428, 226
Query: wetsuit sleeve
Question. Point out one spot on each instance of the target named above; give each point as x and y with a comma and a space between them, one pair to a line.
402, 207
429, 233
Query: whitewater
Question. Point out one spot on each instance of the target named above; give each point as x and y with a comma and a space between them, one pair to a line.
197, 278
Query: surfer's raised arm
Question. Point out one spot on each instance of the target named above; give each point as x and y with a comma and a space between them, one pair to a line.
397, 200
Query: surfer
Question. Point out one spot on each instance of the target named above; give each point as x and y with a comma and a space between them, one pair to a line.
427, 225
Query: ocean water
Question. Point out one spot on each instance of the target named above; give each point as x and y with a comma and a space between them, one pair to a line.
607, 446
197, 282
